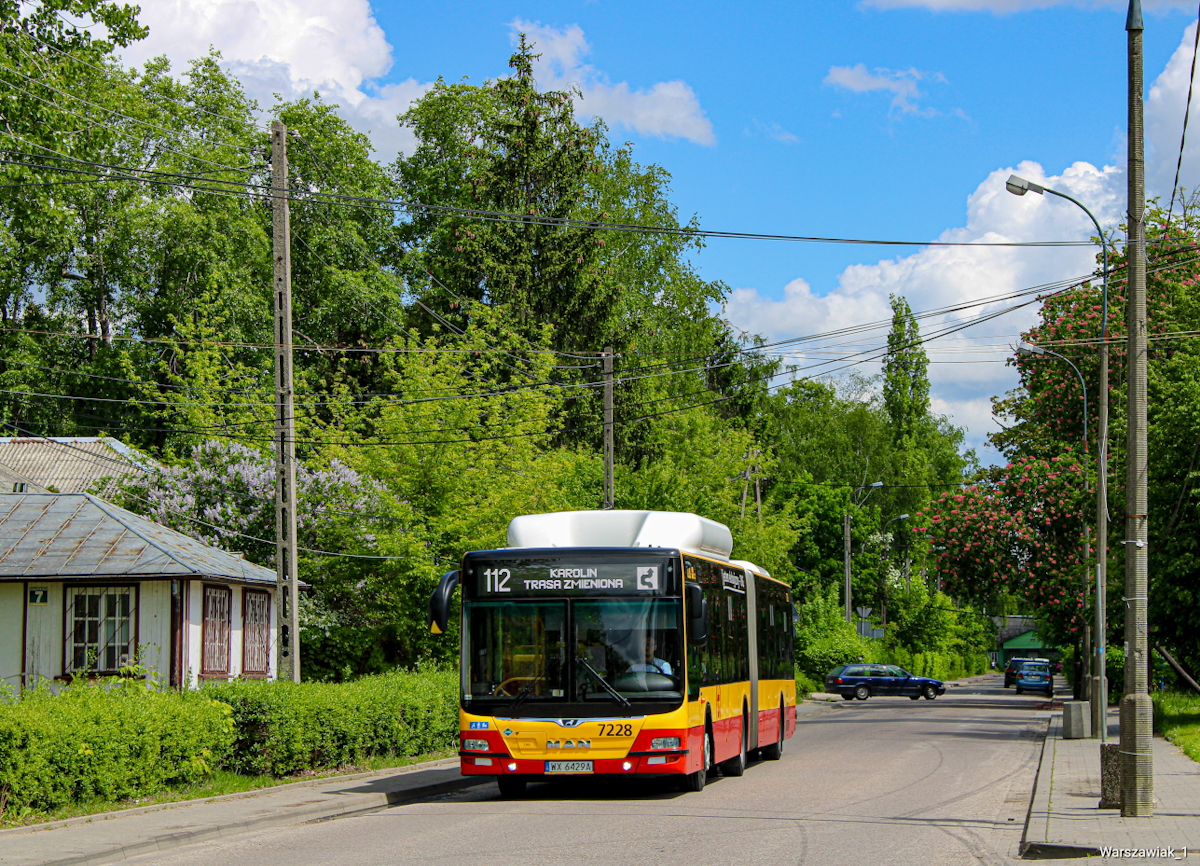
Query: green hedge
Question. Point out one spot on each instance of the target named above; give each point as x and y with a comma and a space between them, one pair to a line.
816, 655
940, 666
108, 740
283, 727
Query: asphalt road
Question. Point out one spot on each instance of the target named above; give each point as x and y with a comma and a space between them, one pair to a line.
887, 780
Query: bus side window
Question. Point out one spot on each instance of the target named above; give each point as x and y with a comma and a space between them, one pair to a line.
714, 649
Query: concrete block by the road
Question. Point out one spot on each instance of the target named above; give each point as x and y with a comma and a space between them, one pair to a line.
1077, 720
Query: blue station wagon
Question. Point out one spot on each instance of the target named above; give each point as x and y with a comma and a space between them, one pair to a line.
863, 680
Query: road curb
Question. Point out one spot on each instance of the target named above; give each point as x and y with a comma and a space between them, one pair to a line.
323, 810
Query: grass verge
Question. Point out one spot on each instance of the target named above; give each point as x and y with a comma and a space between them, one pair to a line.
1177, 717
216, 784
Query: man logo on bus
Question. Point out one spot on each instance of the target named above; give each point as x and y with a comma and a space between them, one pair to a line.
647, 577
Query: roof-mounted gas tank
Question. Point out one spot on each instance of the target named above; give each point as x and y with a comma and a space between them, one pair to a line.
673, 529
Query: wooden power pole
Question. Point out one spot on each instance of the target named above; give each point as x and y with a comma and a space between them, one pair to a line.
287, 587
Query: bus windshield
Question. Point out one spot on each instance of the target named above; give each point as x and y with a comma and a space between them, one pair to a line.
597, 651
630, 645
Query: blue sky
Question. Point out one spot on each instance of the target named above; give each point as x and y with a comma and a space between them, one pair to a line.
879, 119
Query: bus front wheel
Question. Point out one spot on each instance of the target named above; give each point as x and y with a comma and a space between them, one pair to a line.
511, 786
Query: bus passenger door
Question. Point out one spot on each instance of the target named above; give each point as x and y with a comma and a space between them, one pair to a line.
752, 633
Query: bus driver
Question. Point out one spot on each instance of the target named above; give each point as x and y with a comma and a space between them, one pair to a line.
652, 664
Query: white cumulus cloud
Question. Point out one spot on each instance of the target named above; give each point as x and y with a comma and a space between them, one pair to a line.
290, 47
665, 109
937, 277
902, 84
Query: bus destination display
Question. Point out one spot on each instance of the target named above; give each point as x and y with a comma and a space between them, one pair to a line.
557, 577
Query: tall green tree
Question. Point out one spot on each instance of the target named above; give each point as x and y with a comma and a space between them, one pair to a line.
905, 374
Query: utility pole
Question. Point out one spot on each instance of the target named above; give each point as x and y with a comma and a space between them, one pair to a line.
608, 428
752, 470
1085, 657
846, 559
1099, 678
287, 585
1137, 769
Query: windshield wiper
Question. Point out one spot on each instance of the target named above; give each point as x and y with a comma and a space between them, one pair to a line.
527, 689
620, 698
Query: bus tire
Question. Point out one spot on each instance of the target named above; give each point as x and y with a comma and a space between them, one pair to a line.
710, 750
511, 786
774, 751
736, 765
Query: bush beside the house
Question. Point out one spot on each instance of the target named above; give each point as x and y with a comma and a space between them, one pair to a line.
109, 740
114, 739
285, 728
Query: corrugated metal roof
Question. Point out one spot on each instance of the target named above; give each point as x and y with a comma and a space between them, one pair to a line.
68, 465
11, 479
59, 535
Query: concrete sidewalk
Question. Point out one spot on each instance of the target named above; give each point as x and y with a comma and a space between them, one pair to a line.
1065, 819
115, 836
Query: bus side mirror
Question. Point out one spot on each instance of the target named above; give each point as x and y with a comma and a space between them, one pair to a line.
439, 602
697, 609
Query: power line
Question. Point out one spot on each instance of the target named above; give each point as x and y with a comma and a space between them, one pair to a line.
850, 362
149, 93
112, 111
1187, 107
112, 128
560, 222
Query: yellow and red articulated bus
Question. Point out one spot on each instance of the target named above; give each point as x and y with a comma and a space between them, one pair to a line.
620, 643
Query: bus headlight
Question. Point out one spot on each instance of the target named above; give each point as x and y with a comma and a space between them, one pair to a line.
665, 743
475, 745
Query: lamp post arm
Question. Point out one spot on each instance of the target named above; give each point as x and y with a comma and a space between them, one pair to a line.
1082, 385
1103, 246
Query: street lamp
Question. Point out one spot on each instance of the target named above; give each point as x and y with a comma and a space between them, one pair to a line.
1029, 349
1019, 186
846, 537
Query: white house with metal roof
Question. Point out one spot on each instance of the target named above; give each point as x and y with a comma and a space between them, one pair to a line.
87, 588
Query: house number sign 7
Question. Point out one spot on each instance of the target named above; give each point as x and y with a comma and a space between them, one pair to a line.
39, 596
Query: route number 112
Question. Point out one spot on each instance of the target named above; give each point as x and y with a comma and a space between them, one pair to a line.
496, 579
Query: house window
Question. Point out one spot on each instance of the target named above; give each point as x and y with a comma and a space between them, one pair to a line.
256, 632
101, 629
214, 656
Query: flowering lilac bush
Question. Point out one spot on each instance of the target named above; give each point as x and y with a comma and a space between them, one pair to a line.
224, 495
356, 551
